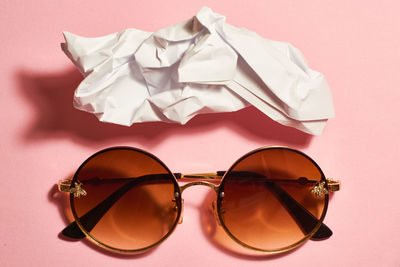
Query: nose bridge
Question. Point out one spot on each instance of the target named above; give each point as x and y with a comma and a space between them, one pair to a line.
212, 185
203, 183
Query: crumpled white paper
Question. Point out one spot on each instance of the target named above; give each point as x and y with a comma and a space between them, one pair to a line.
202, 65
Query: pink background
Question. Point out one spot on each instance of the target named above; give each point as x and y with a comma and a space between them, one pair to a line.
356, 44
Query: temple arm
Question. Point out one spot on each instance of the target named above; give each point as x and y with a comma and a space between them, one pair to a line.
92, 217
301, 215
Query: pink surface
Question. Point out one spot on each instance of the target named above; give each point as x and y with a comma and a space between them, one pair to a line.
356, 44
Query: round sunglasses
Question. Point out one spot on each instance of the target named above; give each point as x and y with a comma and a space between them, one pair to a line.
126, 200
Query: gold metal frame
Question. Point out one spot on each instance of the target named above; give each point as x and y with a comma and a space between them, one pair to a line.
212, 180
284, 249
113, 249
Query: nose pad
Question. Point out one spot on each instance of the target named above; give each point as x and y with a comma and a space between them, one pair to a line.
181, 216
176, 207
214, 207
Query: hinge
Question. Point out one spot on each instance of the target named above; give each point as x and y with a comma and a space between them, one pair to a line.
333, 185
66, 186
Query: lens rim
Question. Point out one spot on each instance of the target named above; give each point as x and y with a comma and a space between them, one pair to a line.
283, 249
118, 250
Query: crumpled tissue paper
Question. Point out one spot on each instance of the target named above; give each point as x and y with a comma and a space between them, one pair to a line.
202, 65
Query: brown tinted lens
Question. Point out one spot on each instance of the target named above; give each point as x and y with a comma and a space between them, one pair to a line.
130, 202
267, 202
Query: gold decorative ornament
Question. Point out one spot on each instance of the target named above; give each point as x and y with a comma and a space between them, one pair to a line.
319, 190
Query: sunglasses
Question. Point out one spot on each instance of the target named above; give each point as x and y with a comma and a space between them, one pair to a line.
126, 200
